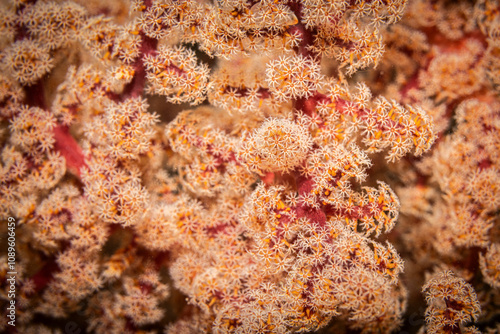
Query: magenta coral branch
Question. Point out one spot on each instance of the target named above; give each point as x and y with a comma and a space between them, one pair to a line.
67, 146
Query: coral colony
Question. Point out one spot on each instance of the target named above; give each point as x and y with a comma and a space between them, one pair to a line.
241, 166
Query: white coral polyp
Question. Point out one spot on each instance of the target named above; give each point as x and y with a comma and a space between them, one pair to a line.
277, 145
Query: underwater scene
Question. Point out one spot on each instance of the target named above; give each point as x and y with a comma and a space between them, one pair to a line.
249, 166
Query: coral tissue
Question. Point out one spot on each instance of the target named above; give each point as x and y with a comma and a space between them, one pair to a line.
241, 166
